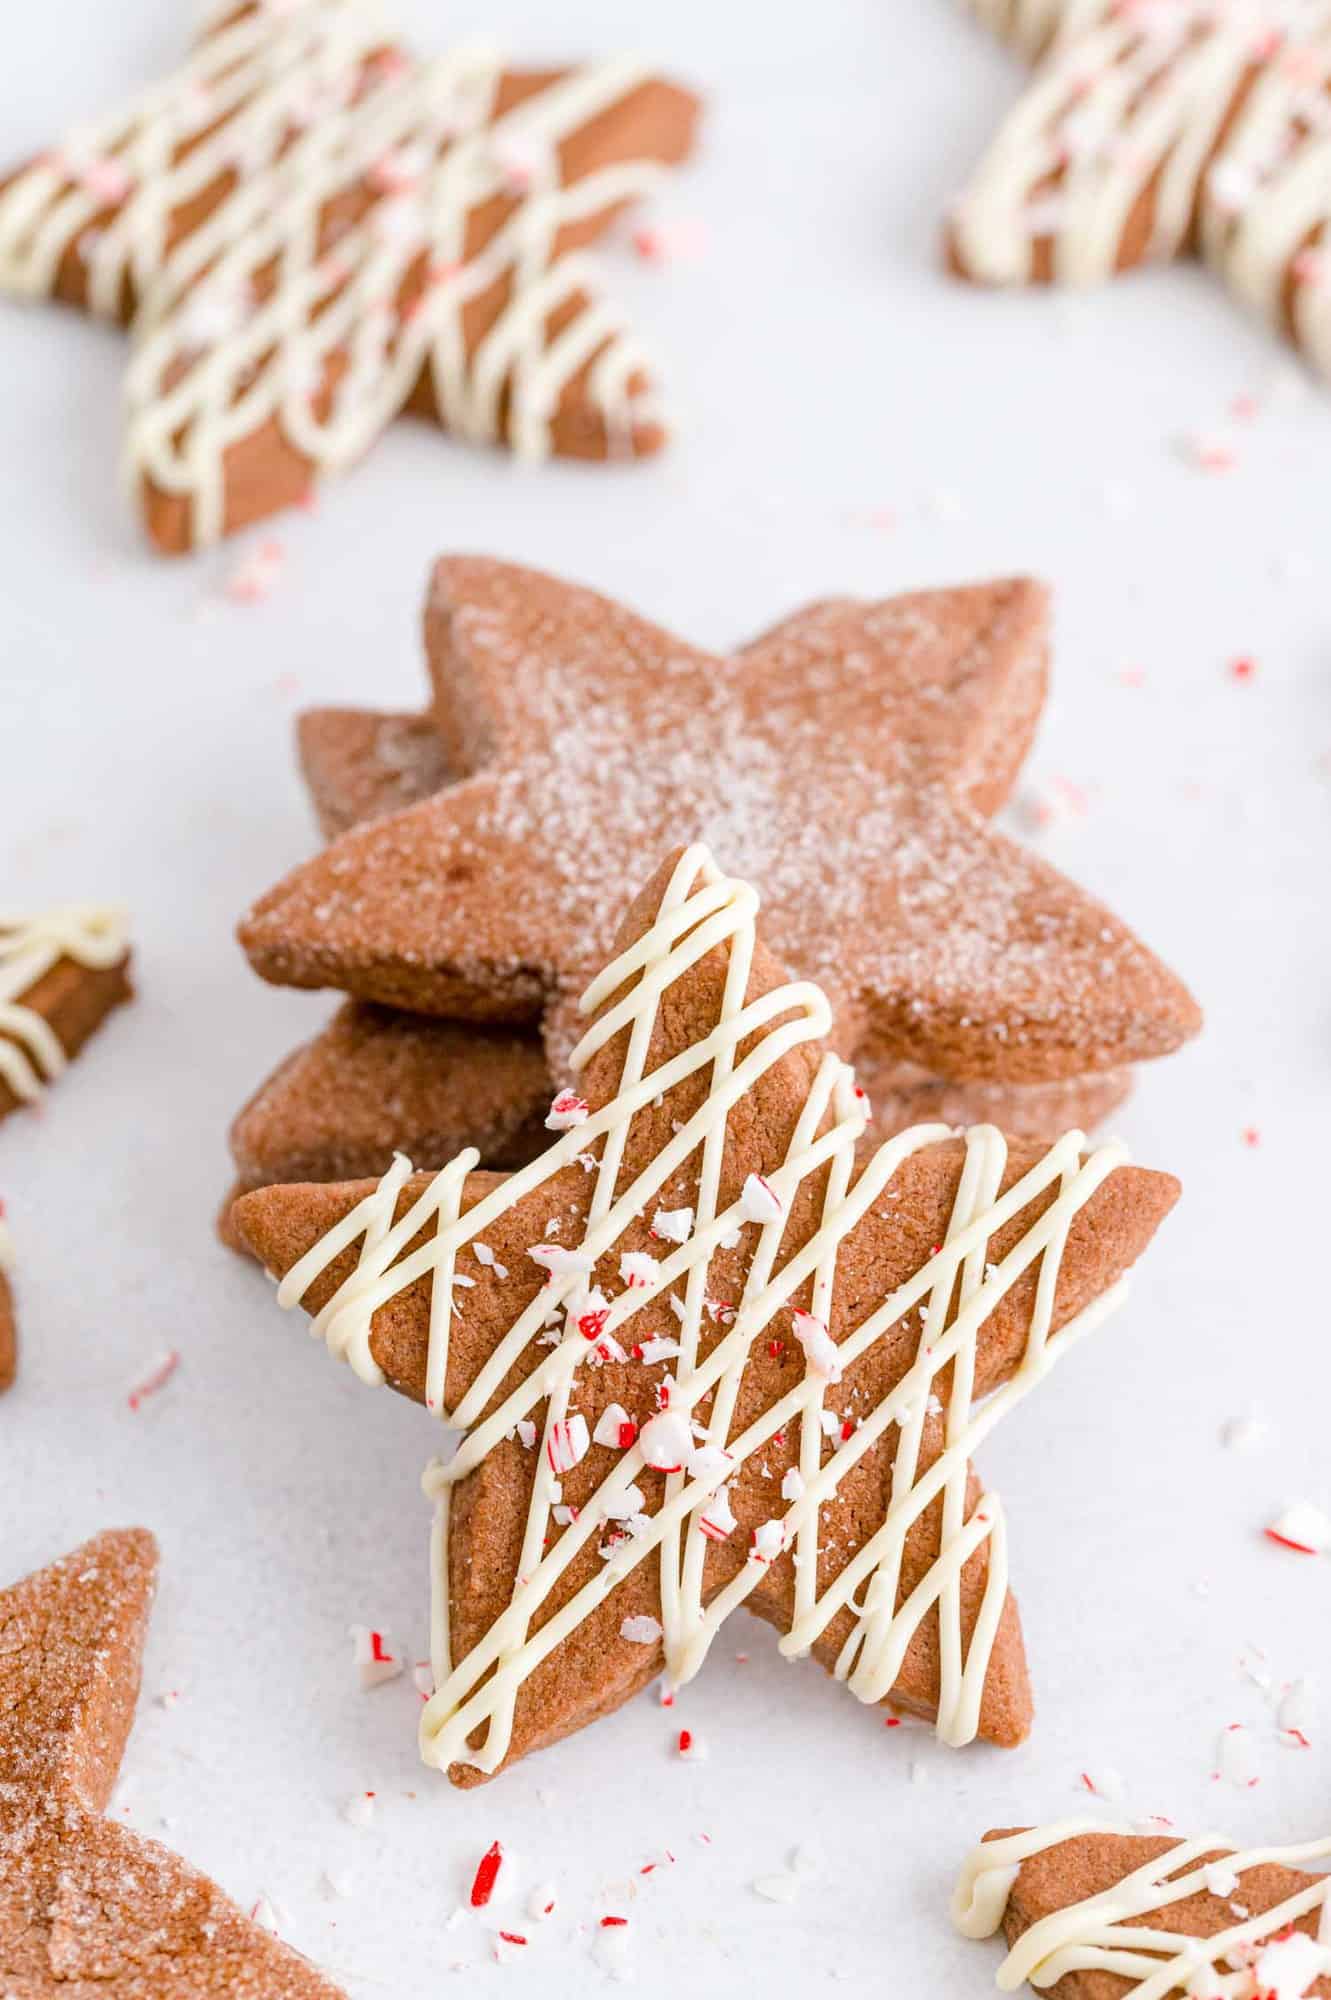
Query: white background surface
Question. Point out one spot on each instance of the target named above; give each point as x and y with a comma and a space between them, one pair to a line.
849, 420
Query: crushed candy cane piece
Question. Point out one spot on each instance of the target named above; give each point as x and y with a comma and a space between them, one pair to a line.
819, 1347
525, 1428
1294, 1712
768, 1541
264, 1915
710, 1463
637, 1267
541, 1901
559, 1261
641, 1630
782, 1888
717, 1520
1286, 1968
158, 1379
566, 1109
1220, 1878
675, 1225
1303, 1528
358, 1810
624, 1506
615, 1428
423, 1676
1235, 1758
374, 1658
759, 1200
568, 1443
792, 1484
485, 1255
487, 1875
1106, 1784
690, 1746
655, 1350
665, 1441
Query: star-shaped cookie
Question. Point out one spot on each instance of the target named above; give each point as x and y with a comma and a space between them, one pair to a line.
86, 1905
1098, 1913
710, 1351
843, 762
1154, 131
311, 232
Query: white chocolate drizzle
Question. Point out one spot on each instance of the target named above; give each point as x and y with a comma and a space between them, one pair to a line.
1135, 104
302, 104
700, 910
1104, 1934
30, 1052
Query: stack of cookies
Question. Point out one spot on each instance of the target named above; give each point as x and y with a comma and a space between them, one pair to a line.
848, 762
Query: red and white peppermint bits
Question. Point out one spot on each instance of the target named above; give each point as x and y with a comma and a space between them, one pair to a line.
673, 1225
666, 1441
559, 1261
769, 1539
590, 1313
1302, 1528
710, 1463
158, 1379
637, 1267
717, 1520
691, 1747
615, 1428
759, 1200
567, 1443
486, 1876
375, 1658
641, 1630
566, 1110
819, 1347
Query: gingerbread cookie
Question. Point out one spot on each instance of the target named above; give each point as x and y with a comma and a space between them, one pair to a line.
844, 762
1154, 132
1097, 1913
708, 1351
86, 1905
61, 973
312, 232
8, 1310
378, 1082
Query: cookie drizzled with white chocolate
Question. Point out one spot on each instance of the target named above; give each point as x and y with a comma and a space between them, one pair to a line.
1081, 1902
704, 1353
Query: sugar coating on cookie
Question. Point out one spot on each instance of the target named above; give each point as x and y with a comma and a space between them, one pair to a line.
85, 1902
843, 763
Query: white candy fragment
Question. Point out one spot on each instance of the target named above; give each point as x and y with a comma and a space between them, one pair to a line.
566, 1109
641, 1630
665, 1441
374, 1658
567, 1443
759, 1200
675, 1225
615, 1428
819, 1347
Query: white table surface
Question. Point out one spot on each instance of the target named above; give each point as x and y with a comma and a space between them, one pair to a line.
850, 420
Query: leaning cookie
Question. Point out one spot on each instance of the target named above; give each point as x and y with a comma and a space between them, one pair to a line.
1101, 1913
710, 1350
378, 1082
87, 1906
61, 973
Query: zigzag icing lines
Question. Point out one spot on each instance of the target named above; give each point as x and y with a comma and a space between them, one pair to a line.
256, 315
30, 1051
1103, 1934
1128, 107
699, 911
